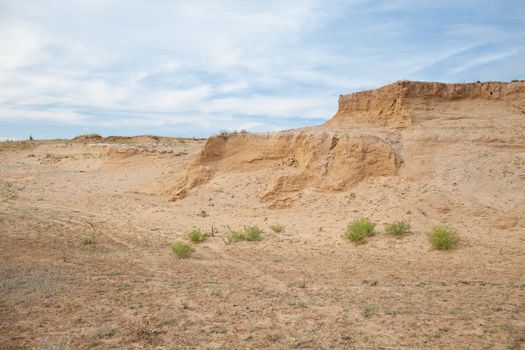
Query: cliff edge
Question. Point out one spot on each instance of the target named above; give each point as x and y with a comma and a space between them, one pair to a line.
450, 146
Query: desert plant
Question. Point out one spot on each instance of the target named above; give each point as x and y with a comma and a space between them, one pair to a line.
277, 228
59, 344
91, 238
368, 310
442, 238
235, 236
88, 239
250, 233
397, 228
197, 236
102, 333
225, 134
7, 191
182, 250
359, 229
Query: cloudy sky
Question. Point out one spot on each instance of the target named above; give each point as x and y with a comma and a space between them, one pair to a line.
192, 68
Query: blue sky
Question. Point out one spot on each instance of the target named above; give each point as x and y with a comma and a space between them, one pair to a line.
192, 68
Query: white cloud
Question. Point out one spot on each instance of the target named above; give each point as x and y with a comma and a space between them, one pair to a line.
493, 57
273, 106
50, 115
209, 64
20, 45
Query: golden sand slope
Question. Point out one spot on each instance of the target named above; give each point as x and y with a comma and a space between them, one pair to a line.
466, 140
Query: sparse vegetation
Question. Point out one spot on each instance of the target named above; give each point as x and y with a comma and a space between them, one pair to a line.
277, 228
43, 281
102, 333
367, 310
59, 344
443, 238
234, 236
7, 191
197, 236
225, 133
10, 145
88, 240
92, 136
182, 250
253, 233
250, 233
359, 229
397, 228
91, 238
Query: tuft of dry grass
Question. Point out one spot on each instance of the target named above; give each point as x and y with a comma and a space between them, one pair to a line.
277, 228
250, 233
102, 333
88, 240
397, 228
7, 191
182, 250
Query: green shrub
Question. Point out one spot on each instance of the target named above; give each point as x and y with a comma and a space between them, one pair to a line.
397, 228
251, 233
182, 250
277, 228
234, 236
359, 229
443, 238
198, 236
87, 240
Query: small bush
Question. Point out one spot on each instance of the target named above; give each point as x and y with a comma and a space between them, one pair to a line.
443, 238
397, 228
251, 233
368, 310
198, 236
234, 236
277, 228
182, 250
88, 239
226, 134
359, 229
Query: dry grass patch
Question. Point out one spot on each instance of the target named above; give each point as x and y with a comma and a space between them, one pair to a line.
7, 191
182, 250
250, 233
277, 228
197, 236
397, 228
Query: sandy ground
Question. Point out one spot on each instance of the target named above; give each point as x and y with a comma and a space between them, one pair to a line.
305, 288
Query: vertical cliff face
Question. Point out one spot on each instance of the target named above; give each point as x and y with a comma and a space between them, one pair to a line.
405, 103
310, 158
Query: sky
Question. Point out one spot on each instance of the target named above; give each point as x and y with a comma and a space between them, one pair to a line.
194, 68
